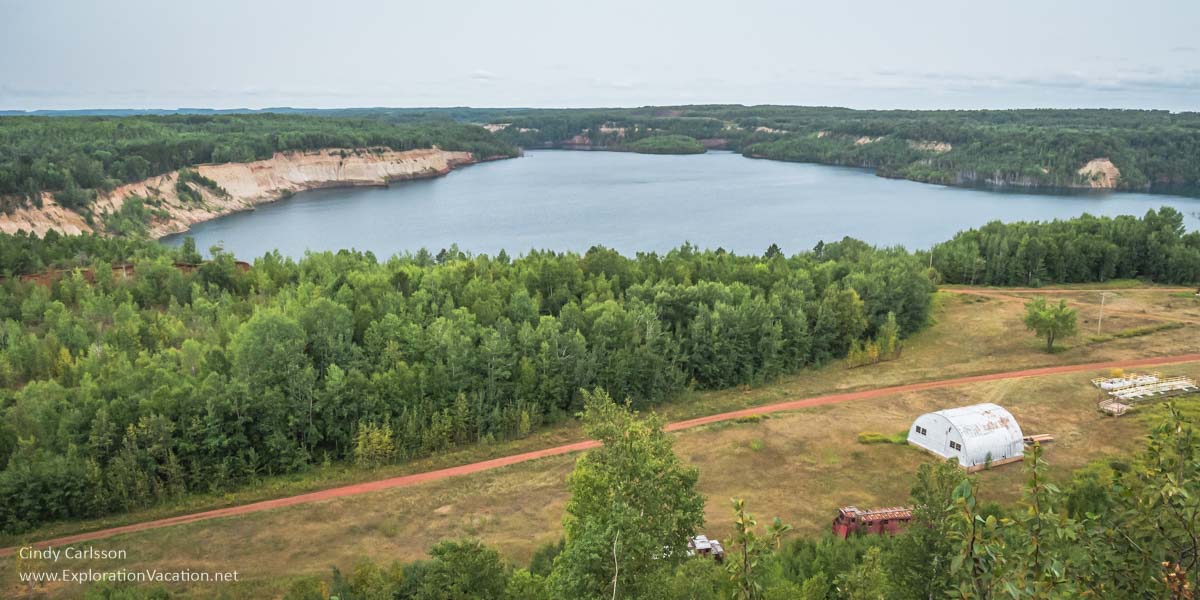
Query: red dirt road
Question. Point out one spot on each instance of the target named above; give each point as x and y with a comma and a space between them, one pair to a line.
1019, 290
418, 478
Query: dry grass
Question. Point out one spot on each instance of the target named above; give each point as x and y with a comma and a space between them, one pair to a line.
800, 466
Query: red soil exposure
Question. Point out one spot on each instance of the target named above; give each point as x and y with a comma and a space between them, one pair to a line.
418, 478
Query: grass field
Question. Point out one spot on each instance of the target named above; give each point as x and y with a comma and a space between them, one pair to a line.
800, 466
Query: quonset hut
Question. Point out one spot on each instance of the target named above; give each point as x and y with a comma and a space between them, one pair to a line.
976, 435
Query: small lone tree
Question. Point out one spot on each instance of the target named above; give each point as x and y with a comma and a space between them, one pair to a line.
1050, 321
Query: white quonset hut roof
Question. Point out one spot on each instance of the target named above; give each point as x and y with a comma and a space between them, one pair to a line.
973, 434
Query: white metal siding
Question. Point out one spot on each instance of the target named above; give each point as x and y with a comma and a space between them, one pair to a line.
984, 432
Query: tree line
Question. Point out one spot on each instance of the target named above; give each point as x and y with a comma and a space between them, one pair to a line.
122, 392
1155, 247
77, 157
1155, 151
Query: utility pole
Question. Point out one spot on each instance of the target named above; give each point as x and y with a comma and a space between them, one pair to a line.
1103, 297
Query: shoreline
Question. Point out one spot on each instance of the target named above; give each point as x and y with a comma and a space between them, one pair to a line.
239, 187
168, 236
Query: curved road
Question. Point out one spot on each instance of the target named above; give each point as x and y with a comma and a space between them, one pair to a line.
418, 478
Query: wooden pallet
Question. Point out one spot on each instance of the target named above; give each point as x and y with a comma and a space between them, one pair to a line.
1113, 408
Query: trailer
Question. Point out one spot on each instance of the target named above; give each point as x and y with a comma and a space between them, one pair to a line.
700, 545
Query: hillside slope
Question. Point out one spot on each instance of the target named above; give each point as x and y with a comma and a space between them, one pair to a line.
242, 185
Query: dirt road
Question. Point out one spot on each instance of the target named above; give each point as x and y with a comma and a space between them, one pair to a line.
418, 478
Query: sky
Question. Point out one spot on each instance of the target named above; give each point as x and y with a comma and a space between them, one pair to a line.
59, 54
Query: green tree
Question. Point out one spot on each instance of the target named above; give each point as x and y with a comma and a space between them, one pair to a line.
867, 580
888, 338
1043, 539
749, 548
374, 445
523, 585
1155, 526
1050, 321
463, 570
633, 507
918, 562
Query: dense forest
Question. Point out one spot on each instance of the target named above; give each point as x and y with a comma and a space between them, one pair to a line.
75, 157
1155, 151
1155, 247
121, 392
665, 144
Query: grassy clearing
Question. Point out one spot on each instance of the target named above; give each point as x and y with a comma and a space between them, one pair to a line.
799, 465
1111, 284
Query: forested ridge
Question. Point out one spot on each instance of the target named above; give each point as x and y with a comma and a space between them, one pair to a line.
77, 157
665, 144
1155, 151
122, 393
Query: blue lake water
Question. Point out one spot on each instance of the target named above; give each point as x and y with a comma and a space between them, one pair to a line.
564, 200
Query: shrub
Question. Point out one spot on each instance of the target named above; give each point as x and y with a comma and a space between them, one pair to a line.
870, 437
374, 445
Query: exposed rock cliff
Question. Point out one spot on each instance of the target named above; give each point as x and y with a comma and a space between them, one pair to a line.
245, 185
1100, 173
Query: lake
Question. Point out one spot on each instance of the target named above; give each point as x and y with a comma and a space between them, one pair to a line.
568, 200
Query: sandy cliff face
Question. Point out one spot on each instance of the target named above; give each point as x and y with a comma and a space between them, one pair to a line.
40, 220
1100, 173
246, 185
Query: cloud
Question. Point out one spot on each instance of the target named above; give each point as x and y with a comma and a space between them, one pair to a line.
484, 76
1141, 79
616, 84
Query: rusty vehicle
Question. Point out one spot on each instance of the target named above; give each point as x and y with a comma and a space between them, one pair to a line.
851, 520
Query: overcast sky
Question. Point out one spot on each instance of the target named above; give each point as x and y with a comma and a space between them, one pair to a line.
857, 53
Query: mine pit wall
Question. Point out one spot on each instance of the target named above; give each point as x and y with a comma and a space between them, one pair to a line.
245, 185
